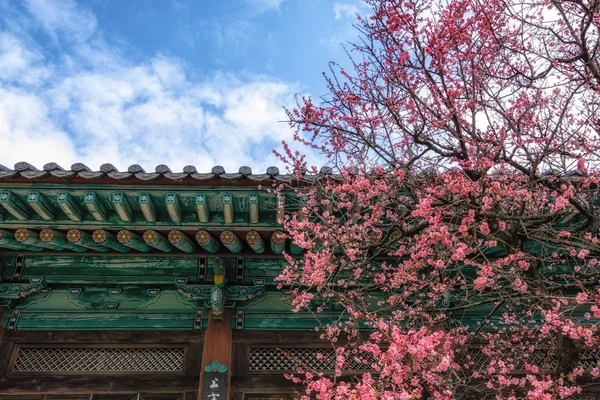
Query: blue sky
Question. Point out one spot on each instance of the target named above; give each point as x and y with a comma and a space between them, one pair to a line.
198, 82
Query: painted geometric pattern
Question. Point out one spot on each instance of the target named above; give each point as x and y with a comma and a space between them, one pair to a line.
99, 359
291, 359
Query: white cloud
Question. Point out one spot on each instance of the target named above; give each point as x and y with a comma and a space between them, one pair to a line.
345, 10
63, 16
19, 63
96, 105
265, 5
27, 133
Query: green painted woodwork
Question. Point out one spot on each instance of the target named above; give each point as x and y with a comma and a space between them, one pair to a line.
94, 206
253, 208
14, 205
84, 239
146, 205
207, 241
20, 290
99, 268
278, 242
78, 206
121, 206
40, 205
132, 240
231, 241
255, 242
201, 208
295, 249
108, 320
172, 205
157, 241
59, 239
227, 208
107, 239
31, 237
68, 206
181, 241
8, 241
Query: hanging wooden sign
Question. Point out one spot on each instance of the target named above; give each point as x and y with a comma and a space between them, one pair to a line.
214, 382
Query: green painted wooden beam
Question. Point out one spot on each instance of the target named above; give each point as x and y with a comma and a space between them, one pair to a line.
107, 239
207, 241
84, 239
119, 203
227, 208
69, 207
105, 320
202, 208
31, 237
278, 242
157, 241
172, 206
253, 208
94, 206
231, 241
255, 242
59, 239
11, 203
40, 205
7, 240
181, 241
133, 240
147, 207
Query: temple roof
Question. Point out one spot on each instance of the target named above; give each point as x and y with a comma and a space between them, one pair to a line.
79, 173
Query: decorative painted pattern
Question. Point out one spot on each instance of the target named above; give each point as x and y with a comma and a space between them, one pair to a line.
40, 205
253, 208
132, 240
156, 240
99, 236
74, 235
172, 205
228, 208
119, 203
94, 206
182, 242
207, 241
105, 238
202, 208
147, 207
231, 241
68, 206
13, 205
278, 240
255, 241
22, 234
46, 235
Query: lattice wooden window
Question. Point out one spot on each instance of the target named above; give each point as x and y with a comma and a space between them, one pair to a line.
87, 359
273, 359
588, 359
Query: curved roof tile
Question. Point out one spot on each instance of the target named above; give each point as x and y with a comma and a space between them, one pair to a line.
136, 172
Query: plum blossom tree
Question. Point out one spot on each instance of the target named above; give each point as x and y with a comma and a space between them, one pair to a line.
459, 224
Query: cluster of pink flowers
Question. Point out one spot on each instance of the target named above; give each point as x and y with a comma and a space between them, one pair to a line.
454, 233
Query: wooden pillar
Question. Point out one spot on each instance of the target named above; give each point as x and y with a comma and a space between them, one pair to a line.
2, 311
217, 346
